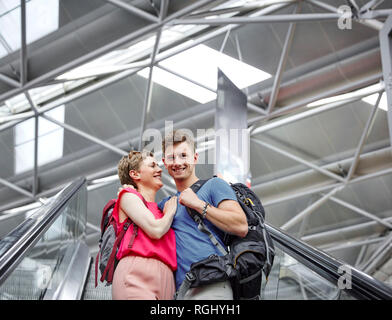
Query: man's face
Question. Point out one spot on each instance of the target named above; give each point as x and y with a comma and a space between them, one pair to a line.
180, 160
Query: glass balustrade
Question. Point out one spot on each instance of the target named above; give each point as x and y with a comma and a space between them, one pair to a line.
291, 280
45, 259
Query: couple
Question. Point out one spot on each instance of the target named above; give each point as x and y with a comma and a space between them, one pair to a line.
168, 239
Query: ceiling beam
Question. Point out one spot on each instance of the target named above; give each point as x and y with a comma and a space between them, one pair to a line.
17, 189
23, 46
361, 212
326, 172
325, 94
365, 134
41, 80
378, 256
347, 244
382, 166
286, 18
386, 60
351, 231
282, 63
300, 216
86, 136
372, 23
134, 10
8, 80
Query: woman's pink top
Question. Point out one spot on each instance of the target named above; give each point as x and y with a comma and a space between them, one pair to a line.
163, 249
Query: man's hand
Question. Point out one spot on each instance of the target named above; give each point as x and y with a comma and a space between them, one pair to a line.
190, 199
123, 187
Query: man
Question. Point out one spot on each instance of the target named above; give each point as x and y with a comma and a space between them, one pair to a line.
215, 199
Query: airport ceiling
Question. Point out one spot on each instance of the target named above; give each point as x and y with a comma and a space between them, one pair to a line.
81, 68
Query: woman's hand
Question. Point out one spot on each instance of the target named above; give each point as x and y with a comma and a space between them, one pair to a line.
170, 206
123, 187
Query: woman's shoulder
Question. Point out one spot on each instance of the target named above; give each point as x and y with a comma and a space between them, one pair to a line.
130, 194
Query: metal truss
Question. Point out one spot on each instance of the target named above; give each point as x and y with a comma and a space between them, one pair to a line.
266, 118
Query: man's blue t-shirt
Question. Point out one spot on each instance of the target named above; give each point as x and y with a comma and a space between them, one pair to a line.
192, 244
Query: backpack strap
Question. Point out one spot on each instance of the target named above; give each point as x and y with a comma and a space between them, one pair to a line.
185, 285
111, 203
96, 269
109, 270
198, 219
110, 265
189, 276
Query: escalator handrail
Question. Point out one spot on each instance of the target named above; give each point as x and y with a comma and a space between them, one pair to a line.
363, 286
16, 244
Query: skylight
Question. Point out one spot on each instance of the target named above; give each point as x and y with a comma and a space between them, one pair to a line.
42, 18
50, 141
122, 59
201, 64
373, 99
367, 90
179, 85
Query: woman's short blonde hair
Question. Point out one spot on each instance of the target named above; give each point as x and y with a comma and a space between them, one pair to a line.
131, 162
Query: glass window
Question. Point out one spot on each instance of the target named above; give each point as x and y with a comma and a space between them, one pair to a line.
50, 141
203, 70
42, 18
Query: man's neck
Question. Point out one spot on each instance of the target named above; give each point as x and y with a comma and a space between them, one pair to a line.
186, 183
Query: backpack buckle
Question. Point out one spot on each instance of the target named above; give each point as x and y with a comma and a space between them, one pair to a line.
190, 276
249, 200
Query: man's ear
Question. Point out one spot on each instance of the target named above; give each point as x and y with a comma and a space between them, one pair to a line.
195, 158
134, 175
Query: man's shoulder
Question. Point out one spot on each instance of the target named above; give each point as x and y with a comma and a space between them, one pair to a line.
216, 182
217, 185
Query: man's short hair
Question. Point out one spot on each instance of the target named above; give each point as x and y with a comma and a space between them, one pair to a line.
176, 137
132, 161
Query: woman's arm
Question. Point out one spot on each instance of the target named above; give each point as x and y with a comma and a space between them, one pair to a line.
132, 206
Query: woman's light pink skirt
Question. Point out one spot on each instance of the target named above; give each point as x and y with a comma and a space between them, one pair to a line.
140, 278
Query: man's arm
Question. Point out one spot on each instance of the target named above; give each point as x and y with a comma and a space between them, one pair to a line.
228, 216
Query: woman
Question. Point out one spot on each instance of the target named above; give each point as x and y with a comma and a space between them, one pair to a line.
147, 261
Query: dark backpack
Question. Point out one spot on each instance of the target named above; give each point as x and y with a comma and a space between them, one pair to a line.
244, 258
253, 253
109, 243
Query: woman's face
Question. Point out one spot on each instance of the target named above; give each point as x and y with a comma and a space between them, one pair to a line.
150, 173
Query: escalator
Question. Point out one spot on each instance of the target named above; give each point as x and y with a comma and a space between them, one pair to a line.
46, 258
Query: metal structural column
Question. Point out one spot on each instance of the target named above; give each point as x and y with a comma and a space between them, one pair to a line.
386, 61
300, 216
282, 63
150, 83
